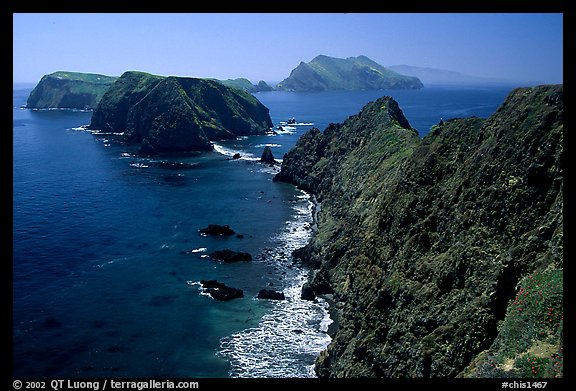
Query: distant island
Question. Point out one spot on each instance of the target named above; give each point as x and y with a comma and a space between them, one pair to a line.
83, 91
69, 90
246, 85
168, 114
443, 76
325, 73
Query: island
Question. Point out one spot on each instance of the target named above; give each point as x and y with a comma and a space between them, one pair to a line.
430, 76
174, 114
69, 90
246, 85
325, 73
442, 256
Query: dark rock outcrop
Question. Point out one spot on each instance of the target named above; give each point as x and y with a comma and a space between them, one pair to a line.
220, 291
217, 230
229, 256
424, 240
69, 90
171, 114
267, 156
308, 292
270, 294
325, 73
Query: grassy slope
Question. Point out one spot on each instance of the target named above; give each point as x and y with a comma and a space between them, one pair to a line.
176, 113
354, 73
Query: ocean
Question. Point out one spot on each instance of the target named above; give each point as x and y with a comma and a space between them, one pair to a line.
107, 254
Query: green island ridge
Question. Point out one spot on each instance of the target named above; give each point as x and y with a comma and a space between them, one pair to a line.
69, 90
171, 114
325, 73
443, 255
83, 91
245, 84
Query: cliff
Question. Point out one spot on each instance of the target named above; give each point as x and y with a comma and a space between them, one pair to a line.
69, 90
325, 73
443, 255
166, 114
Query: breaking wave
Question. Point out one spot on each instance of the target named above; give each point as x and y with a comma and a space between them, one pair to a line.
292, 334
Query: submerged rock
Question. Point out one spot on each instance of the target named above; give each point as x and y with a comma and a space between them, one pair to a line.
270, 294
229, 256
218, 230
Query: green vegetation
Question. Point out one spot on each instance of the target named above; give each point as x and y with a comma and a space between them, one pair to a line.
245, 84
71, 90
166, 114
529, 342
353, 73
92, 78
423, 241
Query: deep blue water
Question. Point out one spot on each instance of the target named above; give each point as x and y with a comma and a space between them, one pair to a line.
101, 287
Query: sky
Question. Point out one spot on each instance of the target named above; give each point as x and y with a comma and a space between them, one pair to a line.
259, 46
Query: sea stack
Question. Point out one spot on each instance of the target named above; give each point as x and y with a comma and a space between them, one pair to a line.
267, 156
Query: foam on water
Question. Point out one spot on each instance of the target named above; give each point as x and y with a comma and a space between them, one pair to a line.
271, 145
231, 152
292, 334
139, 165
201, 290
286, 130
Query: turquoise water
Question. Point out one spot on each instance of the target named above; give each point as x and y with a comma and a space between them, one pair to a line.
104, 280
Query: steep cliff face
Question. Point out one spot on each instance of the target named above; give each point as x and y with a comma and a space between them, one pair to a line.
422, 242
69, 90
325, 73
166, 114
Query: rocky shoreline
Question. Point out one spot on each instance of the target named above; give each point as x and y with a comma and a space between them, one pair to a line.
420, 243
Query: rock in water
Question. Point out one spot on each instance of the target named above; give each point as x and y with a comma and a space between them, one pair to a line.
218, 230
270, 295
267, 156
229, 256
211, 284
308, 292
220, 291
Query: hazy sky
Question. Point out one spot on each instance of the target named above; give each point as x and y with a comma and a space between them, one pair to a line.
524, 46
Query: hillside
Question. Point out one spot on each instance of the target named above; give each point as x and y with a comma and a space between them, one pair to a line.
444, 255
325, 73
168, 114
69, 90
